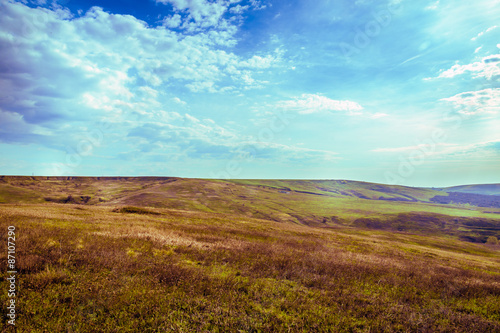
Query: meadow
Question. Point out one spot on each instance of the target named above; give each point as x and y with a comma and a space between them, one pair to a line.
174, 255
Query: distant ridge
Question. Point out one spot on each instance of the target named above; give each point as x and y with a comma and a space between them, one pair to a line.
316, 203
486, 189
62, 178
158, 191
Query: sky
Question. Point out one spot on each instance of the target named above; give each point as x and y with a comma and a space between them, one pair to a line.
388, 91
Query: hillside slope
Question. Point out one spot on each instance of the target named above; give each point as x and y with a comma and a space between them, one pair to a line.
486, 189
192, 255
315, 203
82, 267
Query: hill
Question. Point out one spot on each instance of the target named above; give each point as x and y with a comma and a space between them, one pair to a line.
486, 189
158, 254
480, 200
319, 203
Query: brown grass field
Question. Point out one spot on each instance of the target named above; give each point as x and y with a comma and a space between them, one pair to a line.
184, 255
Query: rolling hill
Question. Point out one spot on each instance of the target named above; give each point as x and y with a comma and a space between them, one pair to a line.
159, 254
486, 189
325, 203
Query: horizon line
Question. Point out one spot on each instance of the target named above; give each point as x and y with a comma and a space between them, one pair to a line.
233, 179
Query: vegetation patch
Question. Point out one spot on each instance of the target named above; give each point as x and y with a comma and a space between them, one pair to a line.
219, 256
83, 199
479, 200
245, 275
134, 210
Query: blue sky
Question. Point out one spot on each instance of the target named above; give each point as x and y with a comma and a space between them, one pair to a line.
390, 91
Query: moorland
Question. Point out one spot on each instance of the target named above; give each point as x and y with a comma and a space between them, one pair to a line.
164, 254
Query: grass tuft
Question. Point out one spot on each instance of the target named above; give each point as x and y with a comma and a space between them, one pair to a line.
134, 210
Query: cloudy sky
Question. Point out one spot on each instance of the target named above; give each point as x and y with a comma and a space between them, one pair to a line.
390, 91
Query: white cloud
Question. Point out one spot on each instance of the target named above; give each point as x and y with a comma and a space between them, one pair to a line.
449, 151
200, 86
188, 136
194, 16
310, 103
486, 101
257, 5
433, 6
488, 67
259, 62
378, 115
408, 149
47, 55
287, 153
172, 21
203, 12
179, 101
239, 9
481, 149
149, 92
484, 32
58, 72
200, 14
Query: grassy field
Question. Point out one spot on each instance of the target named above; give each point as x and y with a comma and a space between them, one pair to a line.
173, 255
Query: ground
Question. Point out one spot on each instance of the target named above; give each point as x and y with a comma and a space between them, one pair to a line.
185, 255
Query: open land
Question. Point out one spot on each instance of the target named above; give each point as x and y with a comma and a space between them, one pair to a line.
159, 254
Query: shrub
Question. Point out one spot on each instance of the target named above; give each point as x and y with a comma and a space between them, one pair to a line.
134, 210
492, 240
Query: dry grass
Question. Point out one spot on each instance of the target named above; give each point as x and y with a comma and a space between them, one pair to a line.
92, 269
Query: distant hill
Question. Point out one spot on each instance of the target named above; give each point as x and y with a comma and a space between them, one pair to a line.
164, 191
346, 188
479, 200
486, 189
315, 203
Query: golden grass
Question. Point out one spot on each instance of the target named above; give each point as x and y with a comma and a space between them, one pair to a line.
92, 269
